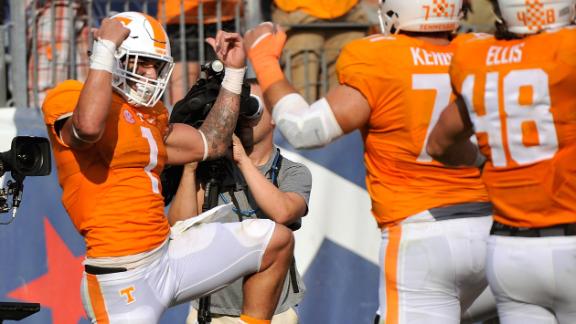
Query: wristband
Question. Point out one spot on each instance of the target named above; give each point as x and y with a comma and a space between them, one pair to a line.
102, 57
264, 56
233, 79
205, 145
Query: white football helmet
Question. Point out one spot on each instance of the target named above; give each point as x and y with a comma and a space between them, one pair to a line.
532, 16
419, 15
147, 40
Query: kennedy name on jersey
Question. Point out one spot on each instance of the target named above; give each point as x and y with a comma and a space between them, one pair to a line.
424, 57
504, 54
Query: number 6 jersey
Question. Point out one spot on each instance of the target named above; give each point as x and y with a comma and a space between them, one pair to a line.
521, 98
406, 82
111, 189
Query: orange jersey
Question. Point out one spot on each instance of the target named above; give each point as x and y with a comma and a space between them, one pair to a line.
323, 9
407, 85
169, 11
112, 189
521, 99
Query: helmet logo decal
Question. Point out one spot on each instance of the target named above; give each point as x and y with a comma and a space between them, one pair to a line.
439, 9
128, 117
147, 41
535, 17
125, 20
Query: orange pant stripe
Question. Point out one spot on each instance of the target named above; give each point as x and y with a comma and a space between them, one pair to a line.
96, 300
391, 274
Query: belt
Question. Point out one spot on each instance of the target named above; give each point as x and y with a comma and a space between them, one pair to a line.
94, 270
557, 230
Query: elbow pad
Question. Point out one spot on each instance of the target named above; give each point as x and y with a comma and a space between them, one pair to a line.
303, 125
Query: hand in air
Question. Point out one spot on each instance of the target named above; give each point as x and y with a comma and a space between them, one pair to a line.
112, 30
229, 48
266, 37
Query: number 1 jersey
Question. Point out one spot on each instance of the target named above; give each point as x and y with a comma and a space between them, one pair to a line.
111, 190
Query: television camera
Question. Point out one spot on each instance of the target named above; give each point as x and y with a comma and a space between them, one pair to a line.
28, 156
196, 105
192, 110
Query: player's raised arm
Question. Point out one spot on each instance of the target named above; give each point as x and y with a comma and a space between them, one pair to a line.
304, 125
88, 119
212, 139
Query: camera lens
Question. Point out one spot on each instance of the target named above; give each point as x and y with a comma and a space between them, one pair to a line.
217, 66
28, 158
252, 108
213, 67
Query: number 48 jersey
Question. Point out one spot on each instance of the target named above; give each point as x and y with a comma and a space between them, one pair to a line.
406, 83
521, 98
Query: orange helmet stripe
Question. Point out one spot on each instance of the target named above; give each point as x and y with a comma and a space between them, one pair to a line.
159, 36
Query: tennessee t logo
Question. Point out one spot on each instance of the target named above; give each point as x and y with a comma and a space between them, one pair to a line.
125, 20
128, 293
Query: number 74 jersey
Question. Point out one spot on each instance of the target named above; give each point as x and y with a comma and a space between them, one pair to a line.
407, 85
521, 98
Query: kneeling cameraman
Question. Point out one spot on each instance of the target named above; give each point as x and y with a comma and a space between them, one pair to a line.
261, 184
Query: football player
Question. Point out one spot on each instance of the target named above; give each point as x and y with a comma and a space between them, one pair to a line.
111, 139
516, 93
393, 86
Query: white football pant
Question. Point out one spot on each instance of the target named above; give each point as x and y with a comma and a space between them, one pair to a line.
431, 271
533, 278
195, 262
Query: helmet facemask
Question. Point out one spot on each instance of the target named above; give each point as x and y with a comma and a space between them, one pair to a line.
388, 21
140, 90
147, 44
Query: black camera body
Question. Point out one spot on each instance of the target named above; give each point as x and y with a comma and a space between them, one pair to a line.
28, 156
192, 110
196, 105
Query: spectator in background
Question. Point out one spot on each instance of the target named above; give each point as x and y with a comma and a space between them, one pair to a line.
53, 45
306, 45
169, 12
479, 17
